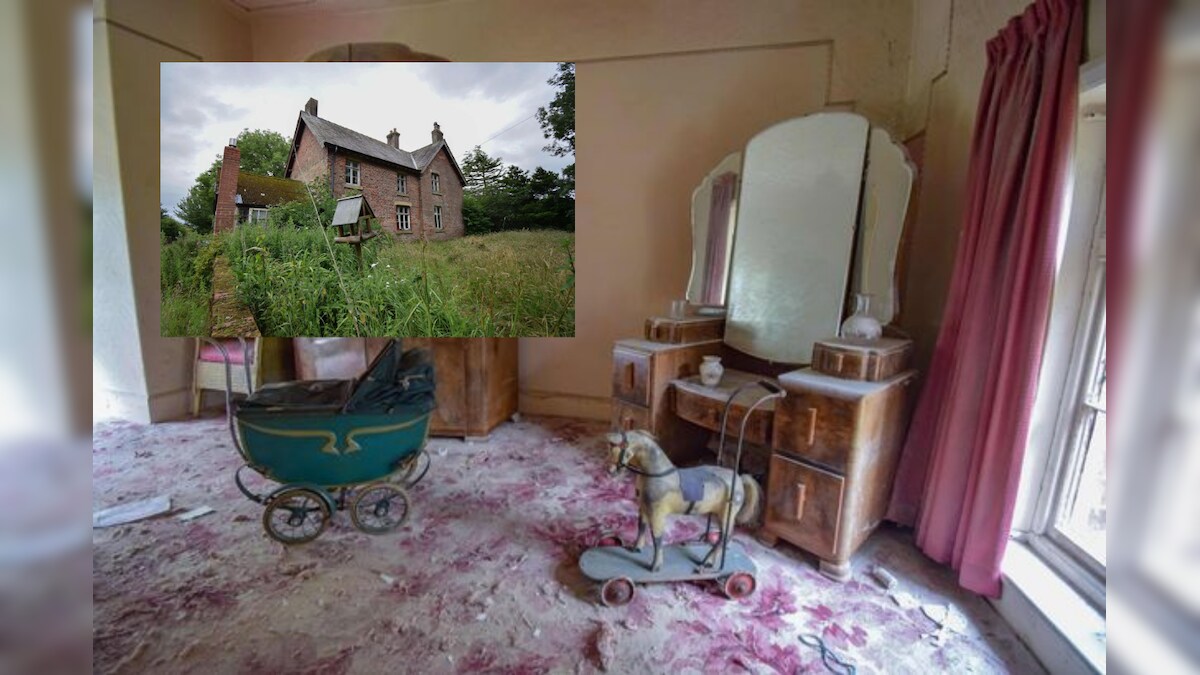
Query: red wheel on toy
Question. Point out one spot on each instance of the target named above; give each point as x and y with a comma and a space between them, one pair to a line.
616, 592
610, 540
739, 585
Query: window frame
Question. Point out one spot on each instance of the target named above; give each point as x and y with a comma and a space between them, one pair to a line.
254, 209
437, 217
407, 218
435, 181
401, 184
353, 170
1068, 450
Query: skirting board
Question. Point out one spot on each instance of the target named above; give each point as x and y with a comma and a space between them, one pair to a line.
142, 409
564, 404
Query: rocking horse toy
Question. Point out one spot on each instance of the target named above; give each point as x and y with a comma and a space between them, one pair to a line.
663, 490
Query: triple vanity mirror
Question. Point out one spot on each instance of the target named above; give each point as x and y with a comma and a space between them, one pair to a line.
811, 210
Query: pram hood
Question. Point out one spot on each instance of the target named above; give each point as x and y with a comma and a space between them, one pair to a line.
395, 380
396, 383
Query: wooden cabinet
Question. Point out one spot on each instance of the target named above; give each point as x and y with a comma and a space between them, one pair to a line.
681, 331
833, 441
871, 360
642, 392
476, 377
836, 443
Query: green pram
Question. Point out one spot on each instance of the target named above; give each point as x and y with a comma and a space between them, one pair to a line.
337, 444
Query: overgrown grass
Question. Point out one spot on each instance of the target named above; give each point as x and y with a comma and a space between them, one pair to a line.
186, 285
508, 284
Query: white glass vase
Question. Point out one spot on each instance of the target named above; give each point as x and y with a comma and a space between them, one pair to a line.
861, 325
711, 371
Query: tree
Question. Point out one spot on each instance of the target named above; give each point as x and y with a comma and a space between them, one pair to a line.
264, 152
558, 120
196, 209
480, 169
169, 228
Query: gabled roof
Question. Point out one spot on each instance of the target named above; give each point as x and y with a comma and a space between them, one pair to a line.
255, 190
329, 133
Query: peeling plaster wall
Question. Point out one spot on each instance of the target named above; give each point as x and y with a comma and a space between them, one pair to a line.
945, 74
145, 377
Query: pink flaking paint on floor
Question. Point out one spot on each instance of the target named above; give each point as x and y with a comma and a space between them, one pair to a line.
480, 579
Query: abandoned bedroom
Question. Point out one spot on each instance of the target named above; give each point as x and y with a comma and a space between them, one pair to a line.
835, 401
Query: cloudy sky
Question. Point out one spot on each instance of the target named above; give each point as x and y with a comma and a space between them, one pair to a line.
490, 104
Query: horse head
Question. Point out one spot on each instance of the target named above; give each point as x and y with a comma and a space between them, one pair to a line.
630, 449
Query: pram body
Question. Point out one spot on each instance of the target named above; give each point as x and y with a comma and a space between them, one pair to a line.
338, 444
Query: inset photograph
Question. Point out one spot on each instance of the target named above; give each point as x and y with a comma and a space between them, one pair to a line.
367, 199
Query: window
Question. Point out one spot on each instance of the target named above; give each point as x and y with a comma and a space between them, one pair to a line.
1068, 487
402, 222
402, 184
437, 182
437, 217
256, 216
353, 175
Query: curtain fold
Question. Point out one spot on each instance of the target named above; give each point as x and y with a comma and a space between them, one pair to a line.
958, 474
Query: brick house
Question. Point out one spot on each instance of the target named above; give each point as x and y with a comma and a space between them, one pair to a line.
417, 194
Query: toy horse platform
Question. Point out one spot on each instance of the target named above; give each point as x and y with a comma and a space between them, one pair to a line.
663, 490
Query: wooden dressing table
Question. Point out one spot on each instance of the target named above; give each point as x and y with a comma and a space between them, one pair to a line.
829, 447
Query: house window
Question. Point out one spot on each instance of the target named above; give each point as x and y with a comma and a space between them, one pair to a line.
402, 221
353, 175
256, 215
437, 182
402, 184
437, 217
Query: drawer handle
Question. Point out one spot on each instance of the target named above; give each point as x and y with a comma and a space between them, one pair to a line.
629, 376
812, 425
801, 493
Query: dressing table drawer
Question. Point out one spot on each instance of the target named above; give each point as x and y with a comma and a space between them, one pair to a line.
631, 376
804, 505
818, 428
836, 423
627, 417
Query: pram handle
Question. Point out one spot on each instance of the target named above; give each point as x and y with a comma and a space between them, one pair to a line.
229, 384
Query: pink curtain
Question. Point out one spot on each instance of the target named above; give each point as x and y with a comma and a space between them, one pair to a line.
958, 474
1134, 27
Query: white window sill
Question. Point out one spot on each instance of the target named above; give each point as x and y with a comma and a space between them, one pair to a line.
1063, 630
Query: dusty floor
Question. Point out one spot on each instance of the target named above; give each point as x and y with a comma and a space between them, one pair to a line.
481, 578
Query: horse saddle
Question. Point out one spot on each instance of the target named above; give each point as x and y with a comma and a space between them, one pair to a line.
693, 480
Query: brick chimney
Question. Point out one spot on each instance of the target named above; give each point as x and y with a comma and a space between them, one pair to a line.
437, 132
311, 107
394, 139
226, 214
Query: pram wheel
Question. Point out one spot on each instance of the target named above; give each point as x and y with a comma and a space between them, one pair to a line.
296, 516
379, 507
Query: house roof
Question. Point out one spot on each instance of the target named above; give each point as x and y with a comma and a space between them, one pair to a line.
349, 209
255, 190
330, 133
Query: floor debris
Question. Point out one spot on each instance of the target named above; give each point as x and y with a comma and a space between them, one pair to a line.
196, 513
905, 600
131, 512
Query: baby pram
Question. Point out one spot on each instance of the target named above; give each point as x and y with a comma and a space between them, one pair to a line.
337, 444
